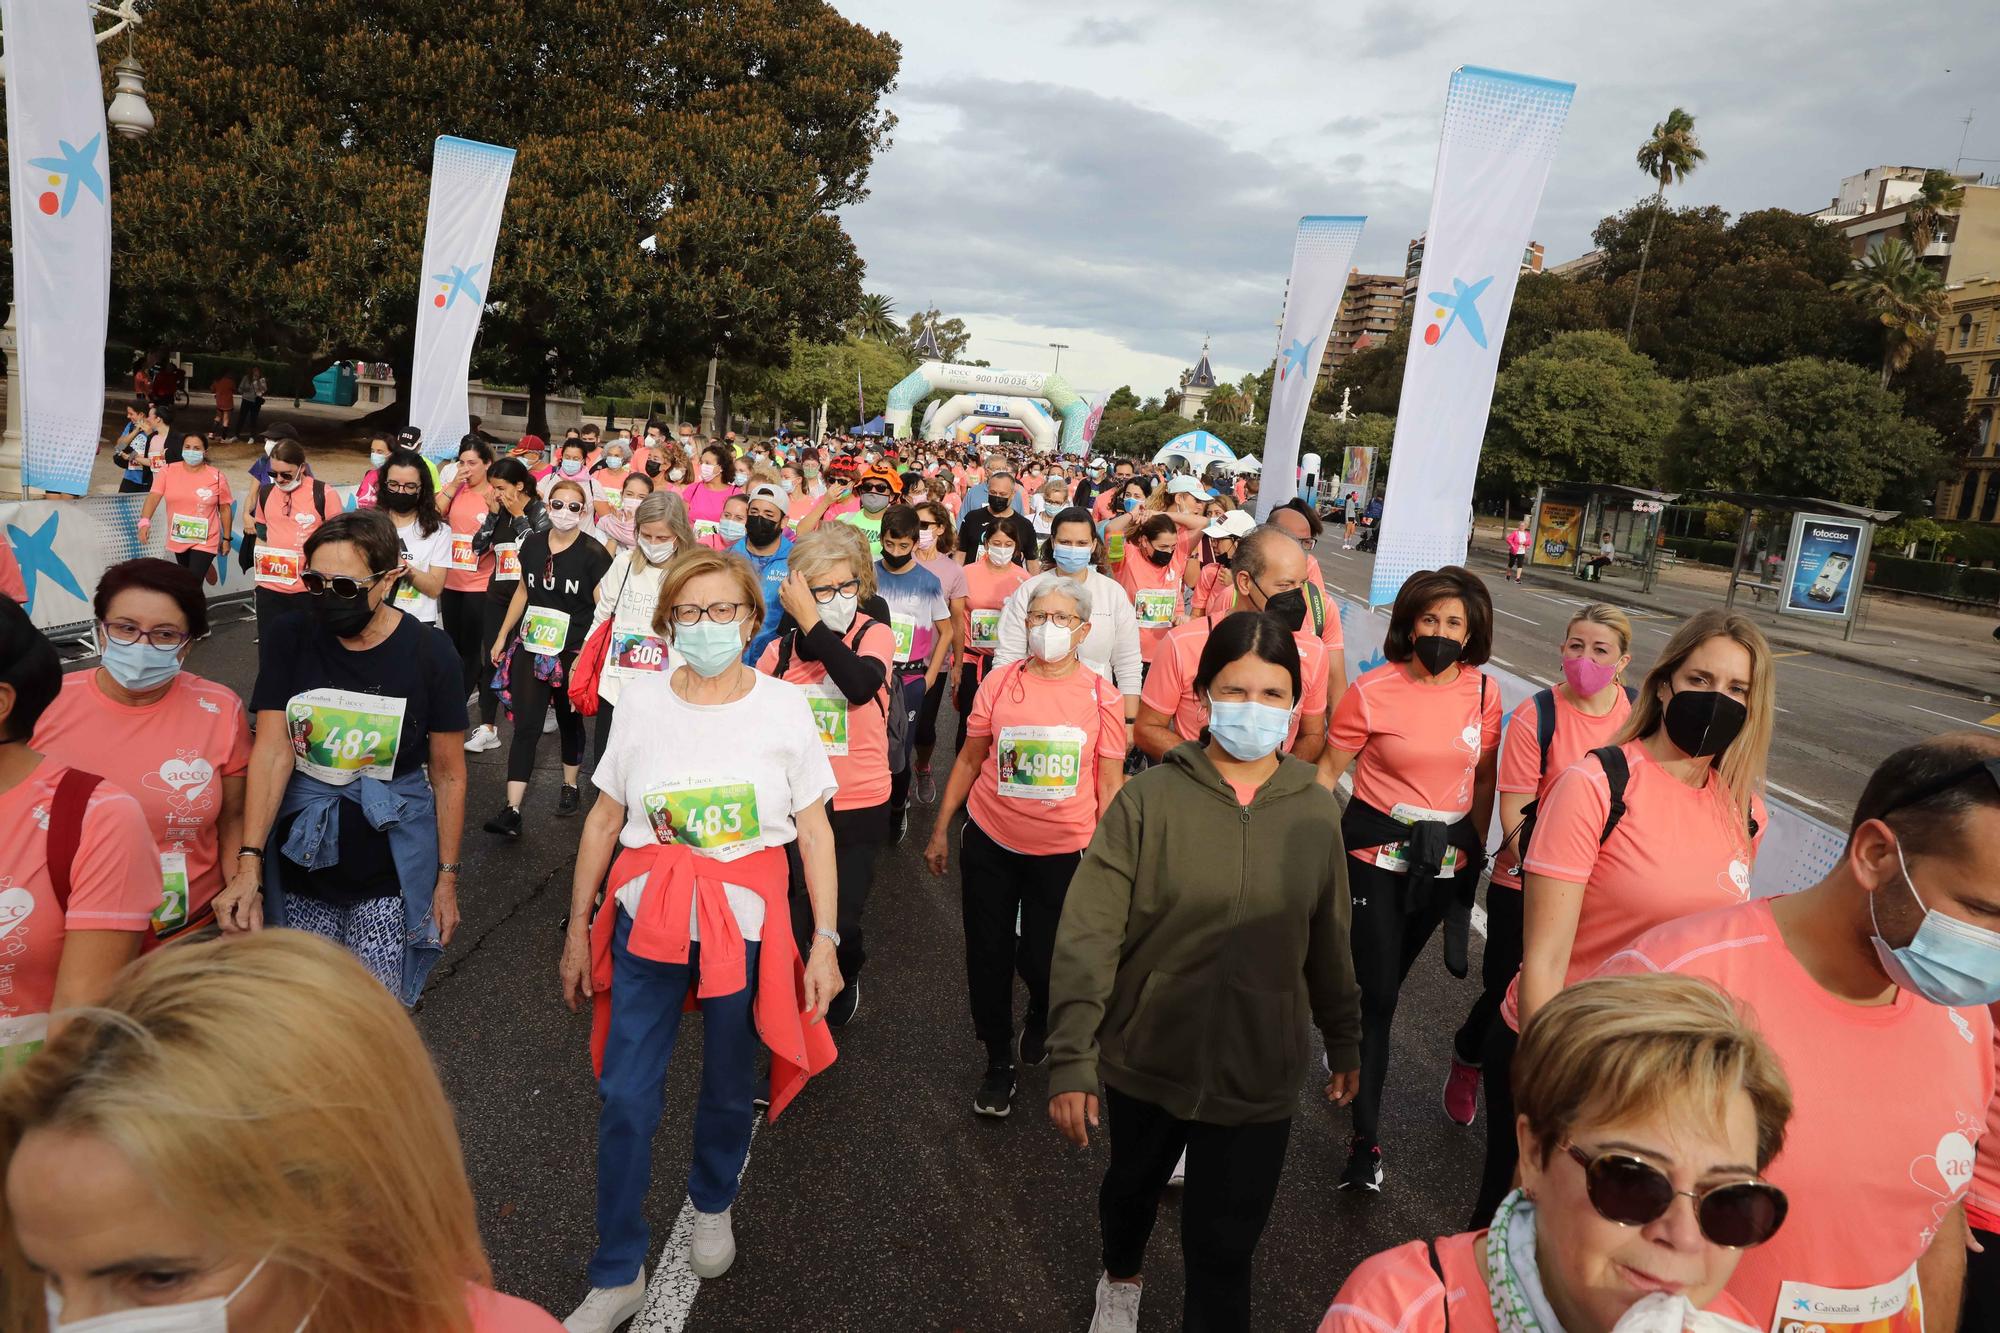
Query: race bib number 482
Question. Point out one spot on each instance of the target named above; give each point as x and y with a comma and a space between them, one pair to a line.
708, 814
340, 735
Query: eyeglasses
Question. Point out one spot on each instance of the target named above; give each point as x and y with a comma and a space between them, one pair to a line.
124, 631
1631, 1191
573, 506
340, 585
404, 488
826, 592
1063, 618
722, 613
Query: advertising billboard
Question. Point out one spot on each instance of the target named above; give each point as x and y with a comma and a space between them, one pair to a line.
1558, 531
1823, 574
1357, 471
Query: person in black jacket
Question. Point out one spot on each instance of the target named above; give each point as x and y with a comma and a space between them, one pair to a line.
516, 514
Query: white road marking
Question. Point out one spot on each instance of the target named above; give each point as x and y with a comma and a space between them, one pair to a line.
670, 1295
1949, 718
1510, 615
1559, 601
1789, 794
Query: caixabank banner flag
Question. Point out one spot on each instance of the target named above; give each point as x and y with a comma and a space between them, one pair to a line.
1320, 255
59, 175
468, 193
1500, 136
1824, 573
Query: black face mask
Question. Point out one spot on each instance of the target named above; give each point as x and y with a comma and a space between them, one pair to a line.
1437, 652
894, 562
998, 505
397, 502
1159, 557
759, 530
1288, 606
1703, 722
652, 467
344, 616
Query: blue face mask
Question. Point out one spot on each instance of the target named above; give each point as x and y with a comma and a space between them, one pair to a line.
140, 666
708, 647
1249, 731
730, 530
1071, 559
1131, 503
1947, 961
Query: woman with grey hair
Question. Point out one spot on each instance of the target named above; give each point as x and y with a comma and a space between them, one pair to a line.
1044, 754
627, 595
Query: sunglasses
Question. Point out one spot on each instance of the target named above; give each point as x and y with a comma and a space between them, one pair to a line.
573, 506
340, 585
871, 490
1632, 1192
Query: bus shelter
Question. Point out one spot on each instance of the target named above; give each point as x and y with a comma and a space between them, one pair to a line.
1818, 572
1571, 519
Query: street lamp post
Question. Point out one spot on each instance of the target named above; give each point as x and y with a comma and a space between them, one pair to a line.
128, 115
1059, 351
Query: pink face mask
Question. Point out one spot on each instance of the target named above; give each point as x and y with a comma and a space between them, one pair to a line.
1587, 676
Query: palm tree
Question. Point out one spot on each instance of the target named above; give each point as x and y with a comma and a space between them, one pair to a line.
1939, 197
1225, 401
875, 318
1891, 283
1669, 157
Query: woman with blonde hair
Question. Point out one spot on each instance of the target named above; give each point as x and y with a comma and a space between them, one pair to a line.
1661, 823
247, 1132
1635, 1093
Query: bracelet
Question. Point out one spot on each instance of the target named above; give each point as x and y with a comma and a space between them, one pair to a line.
447, 867
821, 932
257, 852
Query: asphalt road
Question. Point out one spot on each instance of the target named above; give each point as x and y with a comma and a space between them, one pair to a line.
879, 1201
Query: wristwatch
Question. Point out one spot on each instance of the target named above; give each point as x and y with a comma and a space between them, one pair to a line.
450, 867
257, 852
833, 935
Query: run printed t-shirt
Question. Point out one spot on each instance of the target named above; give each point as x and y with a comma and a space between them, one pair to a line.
1169, 686
194, 506
1521, 771
171, 756
854, 736
562, 592
916, 603
1982, 1205
987, 590
284, 520
114, 885
1676, 852
627, 595
1155, 592
730, 784
423, 553
469, 572
1417, 746
1888, 1105
1397, 1291
1036, 794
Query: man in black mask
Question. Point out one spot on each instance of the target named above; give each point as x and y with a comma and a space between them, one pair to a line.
998, 511
768, 548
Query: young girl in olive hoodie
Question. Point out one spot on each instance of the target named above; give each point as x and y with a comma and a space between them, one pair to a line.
1207, 922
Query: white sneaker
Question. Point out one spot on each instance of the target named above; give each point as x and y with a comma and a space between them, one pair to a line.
605, 1308
1117, 1306
482, 739
713, 1248
1179, 1177
549, 723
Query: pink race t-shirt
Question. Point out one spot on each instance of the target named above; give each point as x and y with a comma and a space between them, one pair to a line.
1521, 771
194, 506
171, 756
1036, 794
468, 573
114, 885
705, 503
1416, 746
493, 1313
1982, 1205
987, 590
1888, 1103
855, 736
1154, 590
1169, 687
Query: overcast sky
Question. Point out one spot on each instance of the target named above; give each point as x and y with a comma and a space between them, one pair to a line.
1128, 181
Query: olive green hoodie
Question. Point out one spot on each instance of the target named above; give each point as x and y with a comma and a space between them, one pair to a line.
1197, 937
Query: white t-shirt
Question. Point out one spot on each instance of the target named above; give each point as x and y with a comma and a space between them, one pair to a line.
730, 777
1111, 649
634, 591
426, 554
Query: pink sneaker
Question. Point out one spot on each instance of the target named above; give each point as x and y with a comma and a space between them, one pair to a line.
1461, 1092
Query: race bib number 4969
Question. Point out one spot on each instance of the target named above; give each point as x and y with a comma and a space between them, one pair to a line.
340, 735
1039, 763
708, 814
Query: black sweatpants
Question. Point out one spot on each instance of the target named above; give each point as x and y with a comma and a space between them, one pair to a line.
1981, 1310
1498, 966
927, 715
970, 673
271, 605
532, 697
463, 618
857, 836
1232, 1177
492, 615
1503, 1150
195, 562
995, 885
1386, 940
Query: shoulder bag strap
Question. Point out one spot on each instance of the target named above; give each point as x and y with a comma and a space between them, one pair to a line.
66, 811
1616, 773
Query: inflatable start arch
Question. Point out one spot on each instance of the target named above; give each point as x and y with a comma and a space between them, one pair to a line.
995, 386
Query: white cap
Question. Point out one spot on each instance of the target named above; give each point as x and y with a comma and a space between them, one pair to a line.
1097, 462
1185, 485
766, 491
1235, 523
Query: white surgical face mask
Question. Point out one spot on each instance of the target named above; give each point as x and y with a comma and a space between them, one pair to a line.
209, 1316
708, 471
838, 614
1000, 555
563, 520
656, 553
192, 457
289, 486
677, 474
1049, 641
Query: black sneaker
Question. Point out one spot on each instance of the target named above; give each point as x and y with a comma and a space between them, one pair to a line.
507, 823
897, 819
1364, 1167
996, 1092
1034, 1046
570, 801
841, 1012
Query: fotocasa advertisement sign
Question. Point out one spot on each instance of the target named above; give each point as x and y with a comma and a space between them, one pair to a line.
1826, 567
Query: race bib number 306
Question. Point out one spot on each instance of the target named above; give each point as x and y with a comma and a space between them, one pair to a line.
340, 735
708, 814
633, 653
1039, 763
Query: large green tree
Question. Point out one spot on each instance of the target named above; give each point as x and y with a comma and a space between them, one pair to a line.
280, 204
1808, 428
1583, 408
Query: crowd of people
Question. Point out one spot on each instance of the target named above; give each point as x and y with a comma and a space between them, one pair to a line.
1194, 835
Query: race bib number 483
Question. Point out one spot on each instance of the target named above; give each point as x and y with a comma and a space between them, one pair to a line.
708, 814
340, 735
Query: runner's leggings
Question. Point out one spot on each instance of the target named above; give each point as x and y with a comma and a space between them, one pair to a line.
532, 697
1503, 1150
858, 836
1498, 964
195, 562
463, 616
1386, 940
1982, 1285
997, 887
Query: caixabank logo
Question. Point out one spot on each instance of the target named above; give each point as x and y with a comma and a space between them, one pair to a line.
1459, 306
72, 170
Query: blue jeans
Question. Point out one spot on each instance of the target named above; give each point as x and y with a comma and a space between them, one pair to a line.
645, 1018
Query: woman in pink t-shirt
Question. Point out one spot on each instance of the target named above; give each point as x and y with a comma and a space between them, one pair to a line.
1687, 771
255, 1116
1637, 1092
1421, 732
1044, 754
991, 576
198, 503
714, 483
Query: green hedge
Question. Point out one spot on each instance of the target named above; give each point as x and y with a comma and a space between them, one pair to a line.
1703, 550
1935, 577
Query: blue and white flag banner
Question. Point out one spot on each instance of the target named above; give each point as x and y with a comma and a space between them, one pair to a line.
59, 175
1500, 136
1320, 256
468, 193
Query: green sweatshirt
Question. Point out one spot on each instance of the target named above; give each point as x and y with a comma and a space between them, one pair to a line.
1197, 936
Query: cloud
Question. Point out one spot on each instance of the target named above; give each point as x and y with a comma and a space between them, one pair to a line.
1107, 32
1394, 29
1350, 125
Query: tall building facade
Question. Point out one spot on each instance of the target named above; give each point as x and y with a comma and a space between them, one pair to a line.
1413, 265
1369, 309
1970, 340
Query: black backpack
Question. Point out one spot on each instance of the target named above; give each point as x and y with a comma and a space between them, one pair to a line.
898, 719
1614, 769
